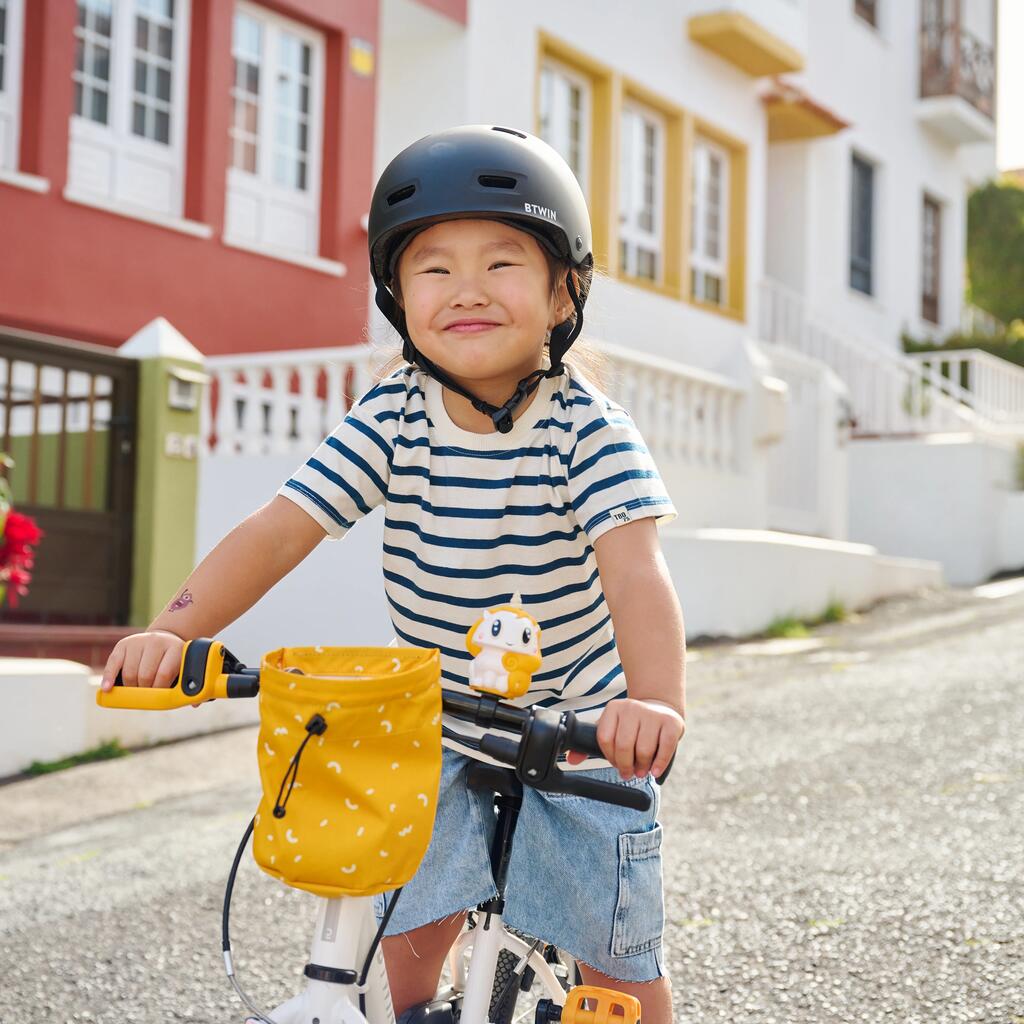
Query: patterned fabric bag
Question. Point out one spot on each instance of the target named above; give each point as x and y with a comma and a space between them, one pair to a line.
350, 761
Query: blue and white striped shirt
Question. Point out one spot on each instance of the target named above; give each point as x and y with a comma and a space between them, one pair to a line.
472, 518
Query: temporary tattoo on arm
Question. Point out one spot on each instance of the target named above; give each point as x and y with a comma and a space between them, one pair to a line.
181, 602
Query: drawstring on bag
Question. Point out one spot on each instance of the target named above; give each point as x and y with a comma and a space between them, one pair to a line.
316, 726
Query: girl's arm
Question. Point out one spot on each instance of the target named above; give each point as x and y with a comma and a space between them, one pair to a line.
640, 734
230, 579
261, 550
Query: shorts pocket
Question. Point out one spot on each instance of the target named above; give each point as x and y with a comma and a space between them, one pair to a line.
640, 906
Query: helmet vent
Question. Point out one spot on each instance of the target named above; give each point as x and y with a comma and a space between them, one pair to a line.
511, 131
497, 181
399, 194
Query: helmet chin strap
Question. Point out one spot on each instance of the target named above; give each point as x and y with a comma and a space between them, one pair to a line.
502, 416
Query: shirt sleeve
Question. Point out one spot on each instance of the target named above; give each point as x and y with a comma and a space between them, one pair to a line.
612, 477
347, 476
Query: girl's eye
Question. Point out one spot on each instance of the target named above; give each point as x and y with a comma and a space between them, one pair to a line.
495, 627
442, 270
526, 635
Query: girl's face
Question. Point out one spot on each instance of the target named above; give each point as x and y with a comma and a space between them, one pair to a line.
478, 301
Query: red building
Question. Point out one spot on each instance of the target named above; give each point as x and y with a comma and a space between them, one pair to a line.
206, 161
209, 161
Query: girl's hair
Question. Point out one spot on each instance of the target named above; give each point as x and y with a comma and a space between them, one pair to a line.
582, 357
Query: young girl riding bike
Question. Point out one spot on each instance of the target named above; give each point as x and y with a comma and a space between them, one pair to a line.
503, 471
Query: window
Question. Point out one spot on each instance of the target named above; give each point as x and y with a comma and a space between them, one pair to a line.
565, 106
709, 204
10, 81
862, 201
151, 98
92, 60
931, 259
273, 199
128, 133
641, 188
867, 10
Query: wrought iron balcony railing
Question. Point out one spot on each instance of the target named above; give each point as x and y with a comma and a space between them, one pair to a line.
954, 62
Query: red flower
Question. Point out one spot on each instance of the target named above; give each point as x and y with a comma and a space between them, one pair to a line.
16, 556
21, 529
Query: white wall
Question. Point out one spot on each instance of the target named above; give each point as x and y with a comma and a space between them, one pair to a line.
421, 84
807, 470
1011, 531
736, 582
949, 497
869, 78
787, 223
336, 596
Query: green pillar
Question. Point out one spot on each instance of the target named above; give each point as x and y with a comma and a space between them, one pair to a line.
171, 390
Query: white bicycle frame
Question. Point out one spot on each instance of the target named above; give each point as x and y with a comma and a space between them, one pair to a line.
345, 928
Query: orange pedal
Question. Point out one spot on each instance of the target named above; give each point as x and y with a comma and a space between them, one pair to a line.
610, 1007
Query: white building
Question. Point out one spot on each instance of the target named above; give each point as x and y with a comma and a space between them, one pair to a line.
777, 189
778, 171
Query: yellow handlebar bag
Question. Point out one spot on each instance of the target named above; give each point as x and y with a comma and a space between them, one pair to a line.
350, 762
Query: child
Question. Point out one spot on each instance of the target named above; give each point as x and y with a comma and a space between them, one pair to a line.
501, 470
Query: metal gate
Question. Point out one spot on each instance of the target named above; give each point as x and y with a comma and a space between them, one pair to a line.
67, 418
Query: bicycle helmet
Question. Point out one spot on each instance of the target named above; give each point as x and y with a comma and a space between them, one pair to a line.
493, 173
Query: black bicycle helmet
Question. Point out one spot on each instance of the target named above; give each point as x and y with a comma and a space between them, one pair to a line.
494, 173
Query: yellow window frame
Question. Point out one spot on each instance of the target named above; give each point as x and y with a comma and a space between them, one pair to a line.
608, 90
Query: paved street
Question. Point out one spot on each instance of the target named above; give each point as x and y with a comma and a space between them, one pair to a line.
844, 843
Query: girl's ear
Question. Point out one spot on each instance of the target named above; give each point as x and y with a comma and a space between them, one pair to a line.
563, 303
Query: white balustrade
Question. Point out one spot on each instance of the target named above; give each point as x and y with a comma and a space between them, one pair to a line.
687, 416
992, 387
890, 393
273, 403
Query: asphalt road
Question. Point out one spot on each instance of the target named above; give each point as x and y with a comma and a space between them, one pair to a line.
844, 843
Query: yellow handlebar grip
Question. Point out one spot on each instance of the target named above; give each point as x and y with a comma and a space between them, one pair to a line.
605, 1002
144, 698
202, 676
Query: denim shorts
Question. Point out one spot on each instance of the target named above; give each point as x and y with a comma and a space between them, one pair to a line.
583, 875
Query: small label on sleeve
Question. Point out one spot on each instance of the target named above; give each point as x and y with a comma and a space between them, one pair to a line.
620, 515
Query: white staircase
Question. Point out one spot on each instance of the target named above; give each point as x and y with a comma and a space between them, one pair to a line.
938, 439
897, 395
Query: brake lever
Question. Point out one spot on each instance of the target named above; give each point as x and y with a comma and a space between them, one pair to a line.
606, 792
534, 760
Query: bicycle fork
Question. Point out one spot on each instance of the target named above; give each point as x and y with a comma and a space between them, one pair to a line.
344, 931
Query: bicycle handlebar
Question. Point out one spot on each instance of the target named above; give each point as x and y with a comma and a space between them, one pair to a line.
210, 672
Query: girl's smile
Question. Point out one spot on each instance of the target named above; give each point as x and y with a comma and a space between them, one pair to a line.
471, 326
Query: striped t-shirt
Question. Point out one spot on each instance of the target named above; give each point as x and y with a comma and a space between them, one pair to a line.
470, 519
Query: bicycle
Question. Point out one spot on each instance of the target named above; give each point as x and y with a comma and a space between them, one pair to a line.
501, 964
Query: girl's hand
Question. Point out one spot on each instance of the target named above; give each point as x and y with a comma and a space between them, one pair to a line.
637, 736
144, 659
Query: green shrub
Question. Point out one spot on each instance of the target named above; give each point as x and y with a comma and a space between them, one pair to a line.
102, 752
835, 612
790, 627
995, 248
786, 626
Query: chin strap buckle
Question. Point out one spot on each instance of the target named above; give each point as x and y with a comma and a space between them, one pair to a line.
502, 417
